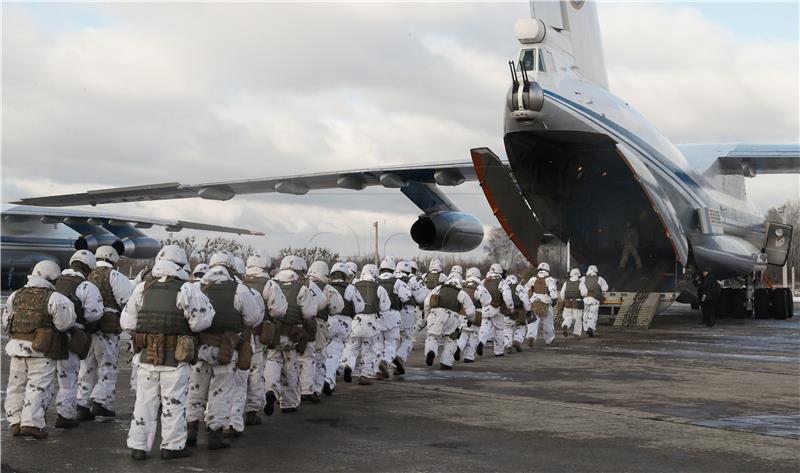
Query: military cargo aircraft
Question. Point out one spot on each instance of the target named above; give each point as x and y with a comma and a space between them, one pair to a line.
582, 166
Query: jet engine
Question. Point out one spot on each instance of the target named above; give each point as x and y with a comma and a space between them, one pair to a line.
447, 231
138, 247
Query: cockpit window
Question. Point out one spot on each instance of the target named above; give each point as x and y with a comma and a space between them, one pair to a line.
532, 60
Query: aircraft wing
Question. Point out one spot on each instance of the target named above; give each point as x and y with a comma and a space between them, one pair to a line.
445, 174
79, 217
746, 160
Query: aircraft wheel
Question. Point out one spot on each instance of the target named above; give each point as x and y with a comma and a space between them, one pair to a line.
789, 302
761, 303
780, 305
737, 308
695, 306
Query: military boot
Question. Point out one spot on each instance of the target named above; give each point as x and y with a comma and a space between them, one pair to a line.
479, 349
398, 364
85, 414
64, 423
100, 410
252, 418
167, 454
216, 441
137, 454
269, 407
566, 331
364, 381
15, 430
35, 432
326, 389
457, 354
383, 367
590, 332
517, 346
192, 428
429, 358
445, 367
530, 342
348, 374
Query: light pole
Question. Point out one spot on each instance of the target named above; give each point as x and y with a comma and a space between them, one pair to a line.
315, 235
375, 224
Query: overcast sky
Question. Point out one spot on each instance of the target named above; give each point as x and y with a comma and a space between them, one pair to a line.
111, 95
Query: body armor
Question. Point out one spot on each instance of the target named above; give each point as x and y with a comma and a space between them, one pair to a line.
294, 313
101, 277
30, 310
256, 283
432, 279
67, 285
159, 313
226, 317
493, 286
388, 284
515, 297
470, 287
593, 287
572, 290
448, 298
540, 286
369, 292
349, 309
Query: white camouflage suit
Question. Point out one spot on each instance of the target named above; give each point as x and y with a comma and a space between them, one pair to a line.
281, 374
212, 384
549, 298
339, 327
275, 306
572, 317
442, 323
468, 341
164, 386
70, 371
390, 319
31, 374
362, 352
241, 378
97, 381
493, 326
312, 362
410, 314
516, 333
590, 304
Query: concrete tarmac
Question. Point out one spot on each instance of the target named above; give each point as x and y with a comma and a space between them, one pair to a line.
676, 398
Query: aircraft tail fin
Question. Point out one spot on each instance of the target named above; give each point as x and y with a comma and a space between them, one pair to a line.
578, 20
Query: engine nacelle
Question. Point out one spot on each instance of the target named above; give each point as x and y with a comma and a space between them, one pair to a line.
138, 247
92, 242
447, 231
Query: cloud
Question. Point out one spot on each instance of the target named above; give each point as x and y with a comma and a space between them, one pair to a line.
123, 94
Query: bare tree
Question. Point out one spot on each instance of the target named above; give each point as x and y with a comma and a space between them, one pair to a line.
501, 249
311, 254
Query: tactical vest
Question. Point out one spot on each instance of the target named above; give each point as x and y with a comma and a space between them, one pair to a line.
515, 297
388, 284
470, 287
67, 285
159, 313
369, 292
432, 279
256, 283
291, 289
30, 310
349, 309
592, 286
540, 286
448, 298
226, 317
493, 286
572, 290
101, 277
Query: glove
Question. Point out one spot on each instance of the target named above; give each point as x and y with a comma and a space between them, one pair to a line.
469, 323
553, 303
